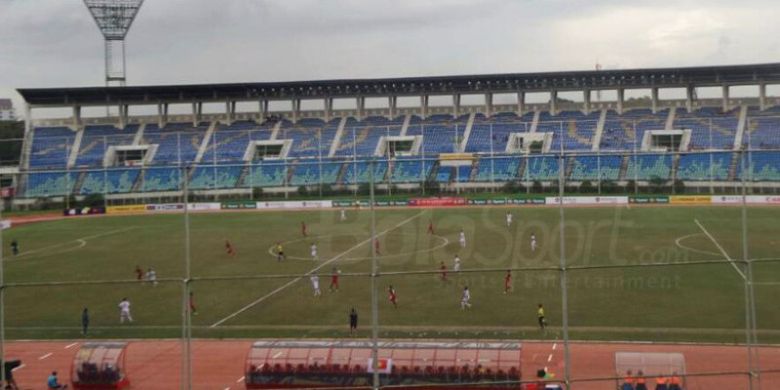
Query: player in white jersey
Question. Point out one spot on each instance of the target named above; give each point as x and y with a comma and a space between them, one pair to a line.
533, 242
315, 285
462, 239
465, 300
151, 276
343, 216
508, 219
124, 311
314, 255
456, 267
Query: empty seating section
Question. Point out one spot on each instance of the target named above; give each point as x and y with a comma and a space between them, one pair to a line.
762, 130
625, 132
444, 174
229, 142
308, 173
410, 170
178, 142
96, 140
543, 168
704, 166
710, 127
360, 138
50, 147
441, 133
267, 174
161, 179
595, 167
571, 129
50, 183
310, 137
765, 166
358, 173
110, 181
491, 134
215, 176
648, 166
497, 169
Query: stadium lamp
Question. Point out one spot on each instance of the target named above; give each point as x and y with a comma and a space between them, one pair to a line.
114, 18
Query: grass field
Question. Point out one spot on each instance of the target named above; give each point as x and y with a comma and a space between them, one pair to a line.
679, 302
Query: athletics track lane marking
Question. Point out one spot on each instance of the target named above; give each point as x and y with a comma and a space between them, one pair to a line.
313, 270
723, 251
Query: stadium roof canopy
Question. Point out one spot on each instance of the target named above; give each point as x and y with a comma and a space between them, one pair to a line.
711, 76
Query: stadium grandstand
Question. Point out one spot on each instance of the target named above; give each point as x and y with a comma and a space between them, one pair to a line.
699, 142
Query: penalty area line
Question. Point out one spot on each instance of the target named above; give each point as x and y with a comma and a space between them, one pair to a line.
720, 248
313, 270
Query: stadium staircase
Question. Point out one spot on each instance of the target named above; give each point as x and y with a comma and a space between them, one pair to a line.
568, 168
275, 131
205, 143
535, 122
405, 126
74, 151
337, 138
669, 120
139, 181
521, 168
741, 124
340, 174
79, 182
623, 168
675, 166
242, 176
474, 170
467, 133
599, 130
139, 135
734, 166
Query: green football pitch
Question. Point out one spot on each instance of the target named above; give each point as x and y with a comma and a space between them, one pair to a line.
639, 273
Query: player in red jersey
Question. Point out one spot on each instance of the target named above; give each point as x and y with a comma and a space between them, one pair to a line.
392, 296
443, 269
193, 310
430, 227
139, 273
334, 279
507, 281
229, 248
376, 247
304, 231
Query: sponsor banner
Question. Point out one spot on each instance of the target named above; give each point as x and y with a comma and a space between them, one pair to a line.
383, 366
690, 199
83, 211
305, 204
7, 192
587, 200
445, 201
203, 206
165, 207
5, 224
750, 199
343, 203
126, 209
645, 199
528, 201
238, 205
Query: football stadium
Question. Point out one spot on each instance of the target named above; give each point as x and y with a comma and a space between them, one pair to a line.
495, 230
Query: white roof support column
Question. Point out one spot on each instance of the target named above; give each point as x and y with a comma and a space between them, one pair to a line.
489, 104
328, 108
296, 105
424, 105
725, 98
162, 114
392, 102
621, 97
456, 105
28, 119
197, 113
586, 100
520, 103
762, 96
361, 107
76, 118
123, 114
654, 98
553, 102
689, 98
230, 111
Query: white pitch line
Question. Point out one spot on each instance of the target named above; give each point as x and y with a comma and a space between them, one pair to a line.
18, 368
723, 251
549, 358
239, 380
69, 346
45, 356
313, 270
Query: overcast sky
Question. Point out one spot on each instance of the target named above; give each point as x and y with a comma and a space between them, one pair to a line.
55, 43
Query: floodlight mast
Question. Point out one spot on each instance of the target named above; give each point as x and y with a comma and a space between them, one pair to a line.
114, 18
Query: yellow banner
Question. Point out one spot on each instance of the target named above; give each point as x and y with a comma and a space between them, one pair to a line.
698, 199
126, 209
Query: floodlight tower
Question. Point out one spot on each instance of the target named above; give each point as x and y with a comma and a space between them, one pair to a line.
113, 18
